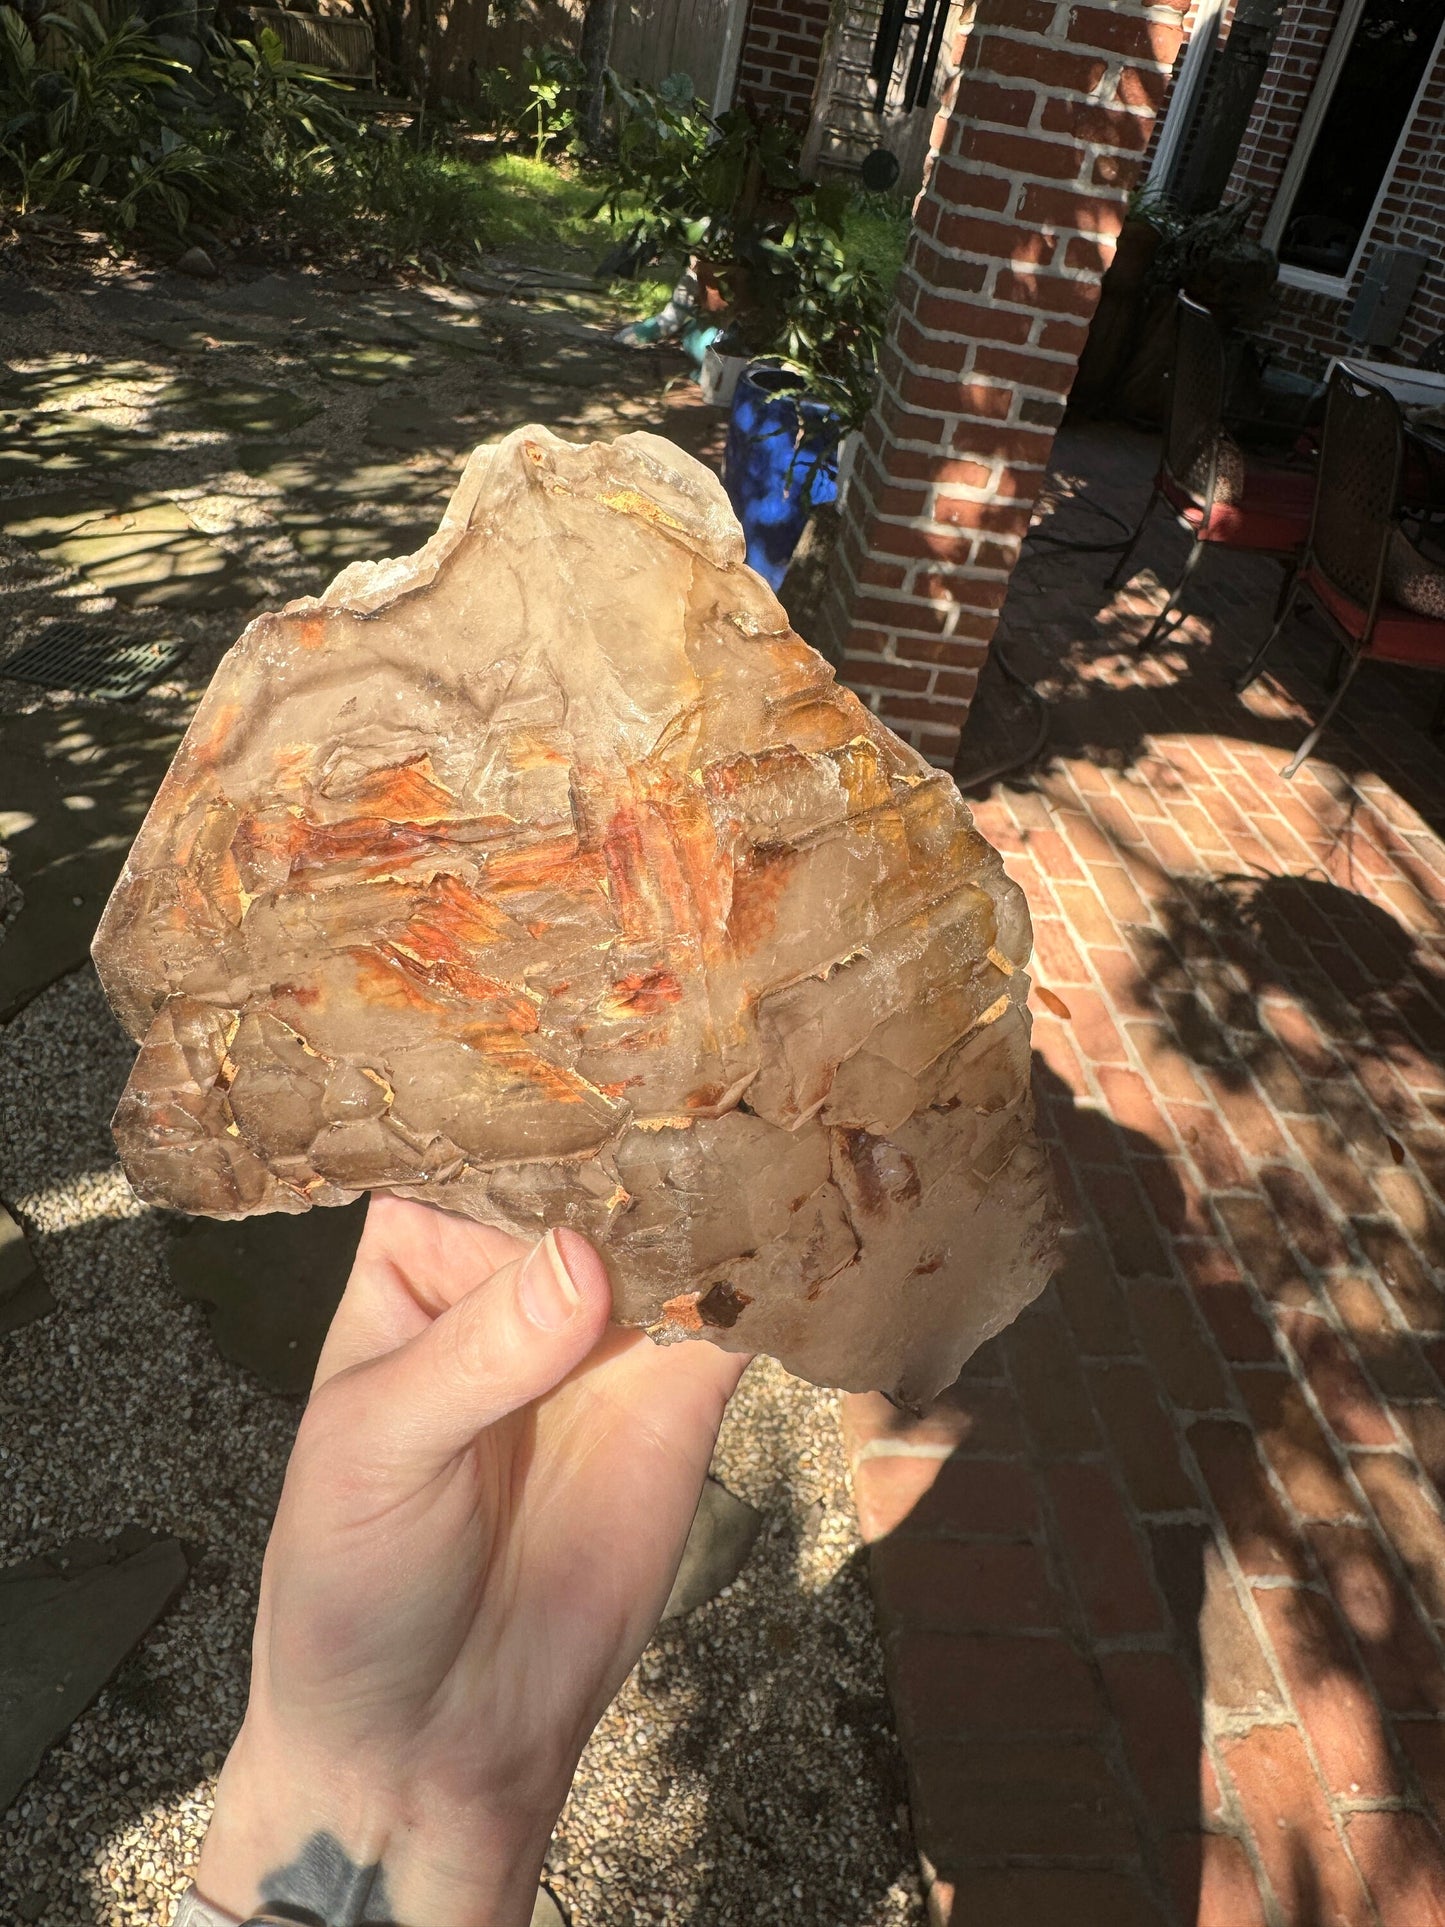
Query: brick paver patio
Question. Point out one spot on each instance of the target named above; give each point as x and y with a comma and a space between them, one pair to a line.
1163, 1580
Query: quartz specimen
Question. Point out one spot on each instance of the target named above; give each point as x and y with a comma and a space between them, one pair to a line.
546, 875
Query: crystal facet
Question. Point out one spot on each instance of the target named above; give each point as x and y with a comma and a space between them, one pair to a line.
546, 875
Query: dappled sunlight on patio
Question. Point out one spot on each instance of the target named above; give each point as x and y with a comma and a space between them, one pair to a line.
1220, 1428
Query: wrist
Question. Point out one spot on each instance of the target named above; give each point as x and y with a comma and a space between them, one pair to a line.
355, 1844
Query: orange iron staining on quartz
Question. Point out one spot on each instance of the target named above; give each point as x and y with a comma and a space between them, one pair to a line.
564, 885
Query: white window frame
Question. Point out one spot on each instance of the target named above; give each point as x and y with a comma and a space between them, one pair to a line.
1198, 54
1321, 94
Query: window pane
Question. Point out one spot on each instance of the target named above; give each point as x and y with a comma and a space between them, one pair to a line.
1361, 128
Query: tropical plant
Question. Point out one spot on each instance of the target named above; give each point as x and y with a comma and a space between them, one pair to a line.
730, 192
550, 81
832, 317
90, 120
538, 101
99, 122
276, 113
683, 180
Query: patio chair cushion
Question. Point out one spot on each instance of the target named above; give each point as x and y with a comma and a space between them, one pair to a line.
1400, 635
1412, 579
1270, 511
1231, 473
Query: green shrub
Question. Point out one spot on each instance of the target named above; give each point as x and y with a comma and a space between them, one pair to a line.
539, 103
95, 124
99, 123
382, 201
806, 268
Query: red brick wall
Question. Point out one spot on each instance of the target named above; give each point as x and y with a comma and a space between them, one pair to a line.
1036, 150
1190, 17
782, 45
1310, 327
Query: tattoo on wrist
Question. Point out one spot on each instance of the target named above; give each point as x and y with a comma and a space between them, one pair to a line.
324, 1887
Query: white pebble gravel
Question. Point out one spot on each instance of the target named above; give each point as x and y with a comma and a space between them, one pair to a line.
747, 1772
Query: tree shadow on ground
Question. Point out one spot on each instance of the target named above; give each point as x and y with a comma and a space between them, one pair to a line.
1323, 1000
188, 451
1150, 1450
77, 783
1076, 640
766, 1745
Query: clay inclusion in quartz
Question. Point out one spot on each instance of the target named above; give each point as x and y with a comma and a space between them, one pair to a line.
547, 876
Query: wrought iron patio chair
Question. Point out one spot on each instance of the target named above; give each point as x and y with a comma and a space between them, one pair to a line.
1267, 509
1343, 569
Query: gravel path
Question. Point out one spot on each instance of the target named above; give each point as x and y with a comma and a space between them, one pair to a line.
746, 1773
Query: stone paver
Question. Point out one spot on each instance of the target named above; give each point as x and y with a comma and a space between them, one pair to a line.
1163, 1578
24, 1294
76, 784
269, 1285
66, 1623
723, 1532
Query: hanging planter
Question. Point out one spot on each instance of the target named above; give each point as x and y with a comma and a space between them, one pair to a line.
781, 463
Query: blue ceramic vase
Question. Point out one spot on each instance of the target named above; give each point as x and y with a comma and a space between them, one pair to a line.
781, 464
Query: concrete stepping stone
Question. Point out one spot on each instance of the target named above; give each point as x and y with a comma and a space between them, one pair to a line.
320, 506
508, 277
239, 408
198, 336
282, 464
78, 380
321, 539
721, 1537
546, 1912
67, 1621
135, 307
316, 480
461, 334
77, 783
367, 367
32, 444
269, 1285
191, 326
282, 297
144, 552
410, 423
24, 1294
567, 364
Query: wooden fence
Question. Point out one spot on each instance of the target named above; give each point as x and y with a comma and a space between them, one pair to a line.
334, 43
700, 38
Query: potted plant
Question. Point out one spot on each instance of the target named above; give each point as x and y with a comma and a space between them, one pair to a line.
799, 408
1162, 249
707, 189
766, 265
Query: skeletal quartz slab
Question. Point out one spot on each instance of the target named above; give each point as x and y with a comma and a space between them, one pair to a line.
547, 876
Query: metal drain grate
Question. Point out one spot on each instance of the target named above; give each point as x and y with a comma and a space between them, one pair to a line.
101, 662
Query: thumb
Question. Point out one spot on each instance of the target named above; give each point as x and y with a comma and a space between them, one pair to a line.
507, 1342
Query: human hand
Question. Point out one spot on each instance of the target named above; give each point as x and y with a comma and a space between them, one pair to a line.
483, 1514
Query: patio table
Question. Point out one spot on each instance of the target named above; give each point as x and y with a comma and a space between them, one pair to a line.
1411, 387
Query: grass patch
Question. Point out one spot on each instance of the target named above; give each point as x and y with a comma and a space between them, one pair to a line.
385, 203
396, 206
540, 211
875, 235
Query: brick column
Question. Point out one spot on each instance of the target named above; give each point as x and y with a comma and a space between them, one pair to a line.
1035, 151
782, 45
